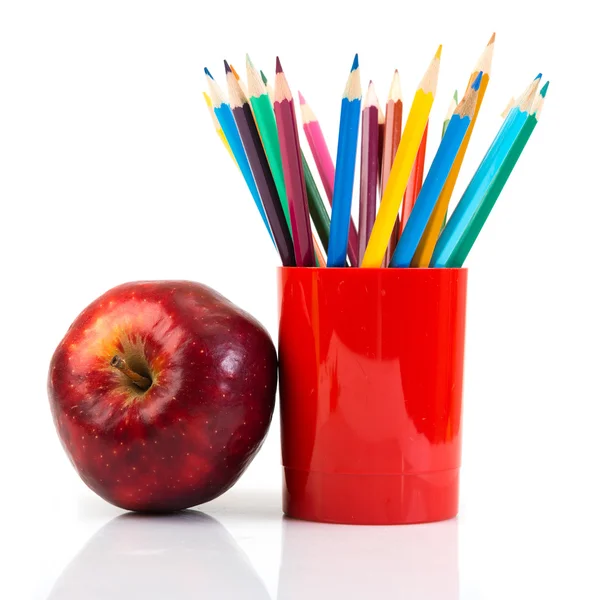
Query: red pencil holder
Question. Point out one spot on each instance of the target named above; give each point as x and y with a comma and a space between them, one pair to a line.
371, 366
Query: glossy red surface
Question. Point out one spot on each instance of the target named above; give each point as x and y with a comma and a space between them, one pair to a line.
191, 435
371, 365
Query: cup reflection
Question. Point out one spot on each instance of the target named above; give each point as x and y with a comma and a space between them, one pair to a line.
415, 562
186, 555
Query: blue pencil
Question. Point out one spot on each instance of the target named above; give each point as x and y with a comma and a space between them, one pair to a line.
224, 115
458, 222
436, 177
344, 178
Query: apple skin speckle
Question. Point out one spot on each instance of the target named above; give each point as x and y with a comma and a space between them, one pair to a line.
213, 369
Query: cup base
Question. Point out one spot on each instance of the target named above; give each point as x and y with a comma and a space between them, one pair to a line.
370, 499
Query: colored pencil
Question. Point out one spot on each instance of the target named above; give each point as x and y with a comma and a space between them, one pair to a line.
436, 178
415, 182
217, 126
224, 116
381, 121
320, 258
402, 166
239, 81
317, 210
268, 85
254, 149
479, 185
344, 178
393, 133
434, 227
264, 115
325, 165
369, 167
450, 112
288, 135
496, 185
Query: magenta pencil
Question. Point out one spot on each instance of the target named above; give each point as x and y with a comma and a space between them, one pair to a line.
325, 165
288, 137
369, 167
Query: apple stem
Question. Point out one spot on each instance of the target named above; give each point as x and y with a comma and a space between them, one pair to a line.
144, 383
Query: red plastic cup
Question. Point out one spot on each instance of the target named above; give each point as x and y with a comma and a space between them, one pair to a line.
371, 365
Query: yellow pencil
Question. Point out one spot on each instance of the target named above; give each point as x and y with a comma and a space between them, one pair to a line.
427, 244
217, 125
402, 166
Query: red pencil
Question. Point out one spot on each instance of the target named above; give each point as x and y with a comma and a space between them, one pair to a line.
414, 183
369, 168
288, 137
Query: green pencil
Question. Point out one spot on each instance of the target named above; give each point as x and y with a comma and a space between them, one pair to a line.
499, 180
264, 115
317, 208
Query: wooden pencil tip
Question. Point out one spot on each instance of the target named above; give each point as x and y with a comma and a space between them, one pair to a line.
477, 82
492, 40
355, 63
235, 73
208, 73
438, 53
301, 98
279, 68
227, 67
539, 76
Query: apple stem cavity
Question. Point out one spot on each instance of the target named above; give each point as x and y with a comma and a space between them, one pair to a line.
140, 381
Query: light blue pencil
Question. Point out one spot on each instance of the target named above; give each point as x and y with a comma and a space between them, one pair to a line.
344, 178
458, 222
224, 115
436, 177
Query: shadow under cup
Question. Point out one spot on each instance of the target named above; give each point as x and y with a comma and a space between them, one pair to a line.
371, 366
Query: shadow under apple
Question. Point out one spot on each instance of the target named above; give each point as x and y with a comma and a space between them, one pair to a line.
185, 555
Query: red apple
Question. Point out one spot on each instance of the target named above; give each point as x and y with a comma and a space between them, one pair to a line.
162, 393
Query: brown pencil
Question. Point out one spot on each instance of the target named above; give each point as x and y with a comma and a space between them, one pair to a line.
242, 113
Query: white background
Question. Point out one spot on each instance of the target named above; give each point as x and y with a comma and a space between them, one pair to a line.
110, 171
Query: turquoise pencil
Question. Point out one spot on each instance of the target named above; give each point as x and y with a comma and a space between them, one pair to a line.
225, 117
436, 177
344, 178
480, 182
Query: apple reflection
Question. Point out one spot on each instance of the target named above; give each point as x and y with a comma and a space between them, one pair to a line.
186, 555
415, 562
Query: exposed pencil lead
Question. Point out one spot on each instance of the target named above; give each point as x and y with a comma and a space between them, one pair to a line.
264, 79
279, 68
355, 63
227, 67
539, 76
438, 53
544, 89
208, 73
477, 82
301, 98
492, 40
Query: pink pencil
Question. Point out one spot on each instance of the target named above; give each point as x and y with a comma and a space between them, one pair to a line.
325, 165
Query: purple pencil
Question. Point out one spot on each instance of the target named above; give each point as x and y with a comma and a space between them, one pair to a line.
250, 138
369, 167
288, 137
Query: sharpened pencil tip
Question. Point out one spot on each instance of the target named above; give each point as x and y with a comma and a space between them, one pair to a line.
544, 89
456, 96
264, 78
355, 63
438, 53
539, 76
477, 82
227, 67
208, 73
301, 98
279, 68
492, 40
235, 73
